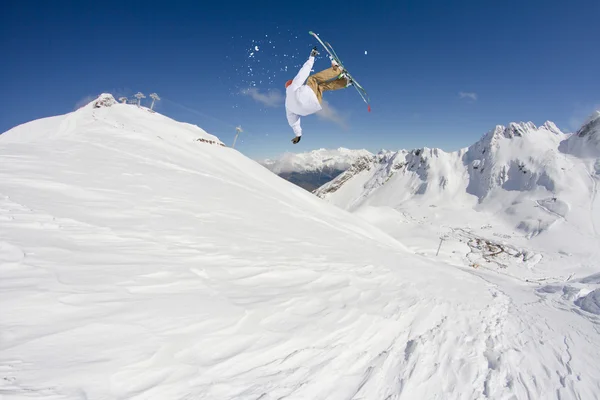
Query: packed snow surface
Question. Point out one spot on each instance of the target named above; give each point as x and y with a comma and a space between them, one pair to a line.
139, 262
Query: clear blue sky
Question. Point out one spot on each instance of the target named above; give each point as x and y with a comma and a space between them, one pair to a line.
513, 60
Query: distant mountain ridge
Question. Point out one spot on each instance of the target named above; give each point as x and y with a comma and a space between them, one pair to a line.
586, 141
511, 167
313, 169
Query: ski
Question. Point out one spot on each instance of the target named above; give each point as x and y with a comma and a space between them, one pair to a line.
329, 49
357, 84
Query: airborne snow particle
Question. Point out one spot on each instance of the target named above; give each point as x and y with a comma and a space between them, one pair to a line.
256, 48
365, 52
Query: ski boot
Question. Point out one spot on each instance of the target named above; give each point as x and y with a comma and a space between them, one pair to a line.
296, 139
348, 79
335, 65
314, 52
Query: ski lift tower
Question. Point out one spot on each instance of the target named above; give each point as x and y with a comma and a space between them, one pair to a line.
154, 98
238, 130
139, 96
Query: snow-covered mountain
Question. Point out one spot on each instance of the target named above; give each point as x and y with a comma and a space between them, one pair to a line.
501, 158
315, 168
142, 259
586, 142
533, 188
507, 167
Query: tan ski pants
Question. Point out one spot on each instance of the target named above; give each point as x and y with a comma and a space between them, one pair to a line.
324, 81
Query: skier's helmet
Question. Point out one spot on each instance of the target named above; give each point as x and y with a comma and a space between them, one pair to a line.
288, 83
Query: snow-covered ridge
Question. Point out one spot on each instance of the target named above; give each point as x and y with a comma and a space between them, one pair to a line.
104, 100
103, 111
489, 163
586, 141
333, 159
518, 157
511, 167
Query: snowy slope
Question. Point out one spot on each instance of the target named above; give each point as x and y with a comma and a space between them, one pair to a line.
138, 262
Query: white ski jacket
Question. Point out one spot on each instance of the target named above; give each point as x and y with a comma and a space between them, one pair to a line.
300, 100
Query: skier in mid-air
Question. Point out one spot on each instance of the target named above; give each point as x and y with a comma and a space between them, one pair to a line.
304, 99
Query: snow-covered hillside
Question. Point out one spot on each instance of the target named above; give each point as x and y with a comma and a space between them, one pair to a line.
141, 259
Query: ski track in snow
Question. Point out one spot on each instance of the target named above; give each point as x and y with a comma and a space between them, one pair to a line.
139, 267
549, 211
